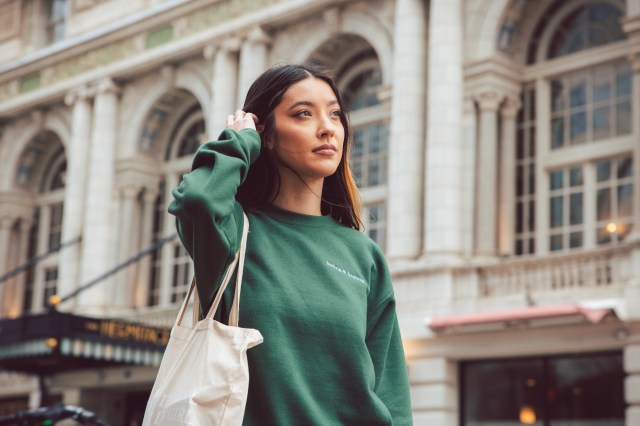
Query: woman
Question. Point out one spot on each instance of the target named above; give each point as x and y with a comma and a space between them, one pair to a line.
318, 290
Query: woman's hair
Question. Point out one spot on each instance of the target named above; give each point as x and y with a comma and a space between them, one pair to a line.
340, 196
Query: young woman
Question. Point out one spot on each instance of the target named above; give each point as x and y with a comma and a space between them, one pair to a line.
318, 290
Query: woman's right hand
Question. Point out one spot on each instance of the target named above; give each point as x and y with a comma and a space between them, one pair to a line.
242, 120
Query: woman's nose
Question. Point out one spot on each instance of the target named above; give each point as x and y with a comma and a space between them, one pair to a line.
327, 128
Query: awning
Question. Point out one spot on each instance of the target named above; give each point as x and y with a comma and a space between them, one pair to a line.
54, 342
530, 315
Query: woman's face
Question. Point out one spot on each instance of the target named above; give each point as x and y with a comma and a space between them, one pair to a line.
309, 134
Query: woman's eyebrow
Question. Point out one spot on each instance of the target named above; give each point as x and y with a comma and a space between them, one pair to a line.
309, 103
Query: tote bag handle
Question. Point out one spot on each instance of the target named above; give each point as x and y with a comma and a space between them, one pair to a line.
234, 316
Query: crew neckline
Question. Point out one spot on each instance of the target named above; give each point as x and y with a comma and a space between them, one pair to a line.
295, 218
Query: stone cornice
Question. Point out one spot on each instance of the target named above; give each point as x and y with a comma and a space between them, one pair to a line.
17, 205
122, 53
139, 172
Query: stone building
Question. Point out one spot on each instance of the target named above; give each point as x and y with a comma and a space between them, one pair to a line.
497, 149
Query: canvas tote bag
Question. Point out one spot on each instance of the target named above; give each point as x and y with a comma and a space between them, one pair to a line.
204, 375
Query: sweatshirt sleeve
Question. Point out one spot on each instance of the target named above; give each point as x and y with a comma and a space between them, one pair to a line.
386, 351
209, 220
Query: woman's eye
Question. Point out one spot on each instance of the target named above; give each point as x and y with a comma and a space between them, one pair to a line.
337, 113
303, 113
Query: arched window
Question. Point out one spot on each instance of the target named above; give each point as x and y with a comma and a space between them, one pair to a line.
171, 267
361, 85
588, 26
42, 170
585, 194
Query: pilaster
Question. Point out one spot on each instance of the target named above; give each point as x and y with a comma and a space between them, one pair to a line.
635, 123
74, 194
97, 232
487, 174
444, 154
224, 85
506, 217
433, 391
407, 132
142, 282
253, 61
632, 383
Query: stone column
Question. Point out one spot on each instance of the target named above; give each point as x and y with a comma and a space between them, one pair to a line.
486, 174
433, 391
23, 256
42, 246
74, 192
167, 254
405, 195
124, 285
6, 223
97, 232
253, 61
506, 216
632, 383
144, 271
635, 123
444, 153
224, 85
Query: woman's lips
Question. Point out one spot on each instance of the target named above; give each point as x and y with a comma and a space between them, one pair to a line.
326, 149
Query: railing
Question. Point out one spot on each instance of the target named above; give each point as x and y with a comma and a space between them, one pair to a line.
604, 268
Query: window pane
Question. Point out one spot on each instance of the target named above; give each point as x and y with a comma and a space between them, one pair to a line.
625, 167
557, 103
519, 247
555, 243
623, 118
578, 127
625, 204
557, 132
496, 391
556, 180
603, 236
601, 122
374, 139
374, 177
520, 144
532, 215
532, 141
602, 84
519, 216
604, 204
587, 390
532, 178
575, 209
578, 93
556, 210
519, 180
575, 239
358, 143
603, 171
575, 176
623, 80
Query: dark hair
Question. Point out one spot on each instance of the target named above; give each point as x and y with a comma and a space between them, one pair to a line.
340, 196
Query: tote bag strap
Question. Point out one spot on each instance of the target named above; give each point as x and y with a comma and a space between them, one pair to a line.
223, 285
235, 306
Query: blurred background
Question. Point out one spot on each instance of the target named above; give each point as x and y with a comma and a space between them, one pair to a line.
496, 145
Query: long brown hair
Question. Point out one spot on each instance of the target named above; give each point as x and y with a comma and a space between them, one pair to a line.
340, 196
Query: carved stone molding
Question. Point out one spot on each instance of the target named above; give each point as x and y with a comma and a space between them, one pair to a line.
489, 101
510, 107
81, 94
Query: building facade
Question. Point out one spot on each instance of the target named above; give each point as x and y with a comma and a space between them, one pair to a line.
497, 145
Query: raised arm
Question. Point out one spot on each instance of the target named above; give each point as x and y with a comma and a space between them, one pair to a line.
208, 217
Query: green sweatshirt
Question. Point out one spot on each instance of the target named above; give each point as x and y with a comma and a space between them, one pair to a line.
320, 293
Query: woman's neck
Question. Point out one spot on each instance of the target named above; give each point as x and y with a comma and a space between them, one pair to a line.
298, 196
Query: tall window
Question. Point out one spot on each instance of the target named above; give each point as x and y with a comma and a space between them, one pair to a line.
370, 139
586, 156
525, 174
171, 266
592, 105
614, 204
556, 391
58, 10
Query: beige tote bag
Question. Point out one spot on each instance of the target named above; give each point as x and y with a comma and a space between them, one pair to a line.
204, 375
